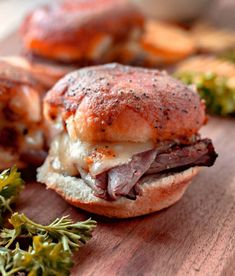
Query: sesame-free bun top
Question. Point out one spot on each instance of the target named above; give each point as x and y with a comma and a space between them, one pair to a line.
72, 30
115, 103
12, 75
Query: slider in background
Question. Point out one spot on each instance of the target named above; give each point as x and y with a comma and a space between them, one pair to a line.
45, 72
212, 39
214, 79
79, 33
159, 44
74, 34
22, 139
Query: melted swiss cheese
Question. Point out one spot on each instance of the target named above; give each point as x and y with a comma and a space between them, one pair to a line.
68, 155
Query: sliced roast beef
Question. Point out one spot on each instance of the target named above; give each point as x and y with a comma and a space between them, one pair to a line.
98, 184
120, 181
201, 153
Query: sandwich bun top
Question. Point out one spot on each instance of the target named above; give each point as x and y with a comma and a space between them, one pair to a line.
74, 30
116, 103
12, 75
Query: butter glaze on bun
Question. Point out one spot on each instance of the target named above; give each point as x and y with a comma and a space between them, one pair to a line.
121, 103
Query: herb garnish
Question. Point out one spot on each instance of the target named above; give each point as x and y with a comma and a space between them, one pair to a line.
70, 235
51, 248
11, 184
228, 55
216, 90
42, 258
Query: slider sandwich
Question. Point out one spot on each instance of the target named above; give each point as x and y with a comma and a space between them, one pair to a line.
21, 130
71, 34
127, 140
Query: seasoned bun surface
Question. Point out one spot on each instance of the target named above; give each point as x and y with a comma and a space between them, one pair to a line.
45, 72
156, 193
13, 75
121, 103
74, 30
21, 127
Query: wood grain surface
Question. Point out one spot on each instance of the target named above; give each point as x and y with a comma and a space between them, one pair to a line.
196, 236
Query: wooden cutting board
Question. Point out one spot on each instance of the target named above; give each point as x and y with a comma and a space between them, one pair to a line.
196, 236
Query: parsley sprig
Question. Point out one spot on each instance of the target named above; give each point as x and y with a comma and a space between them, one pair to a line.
11, 184
70, 235
216, 90
42, 258
228, 55
51, 248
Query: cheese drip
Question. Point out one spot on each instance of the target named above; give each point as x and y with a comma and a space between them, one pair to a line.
67, 155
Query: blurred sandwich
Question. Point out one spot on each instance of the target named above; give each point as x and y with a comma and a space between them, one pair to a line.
214, 79
160, 43
21, 131
80, 32
45, 72
212, 39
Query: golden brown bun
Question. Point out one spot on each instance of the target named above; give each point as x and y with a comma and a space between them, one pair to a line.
13, 74
44, 72
156, 193
212, 39
121, 103
74, 30
209, 64
21, 127
166, 42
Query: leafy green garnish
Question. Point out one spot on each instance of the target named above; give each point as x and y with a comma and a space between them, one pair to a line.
50, 252
42, 258
228, 55
53, 244
71, 235
215, 90
11, 184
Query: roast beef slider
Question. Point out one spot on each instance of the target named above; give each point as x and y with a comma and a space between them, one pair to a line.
127, 140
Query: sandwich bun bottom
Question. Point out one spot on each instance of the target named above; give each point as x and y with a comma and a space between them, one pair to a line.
156, 193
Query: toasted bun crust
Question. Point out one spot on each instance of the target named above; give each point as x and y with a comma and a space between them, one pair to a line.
155, 41
121, 103
212, 39
12, 75
156, 193
21, 126
45, 73
71, 30
207, 64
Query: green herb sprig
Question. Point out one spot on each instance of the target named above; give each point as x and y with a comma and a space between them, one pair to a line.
71, 235
42, 258
11, 184
228, 55
215, 90
52, 246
